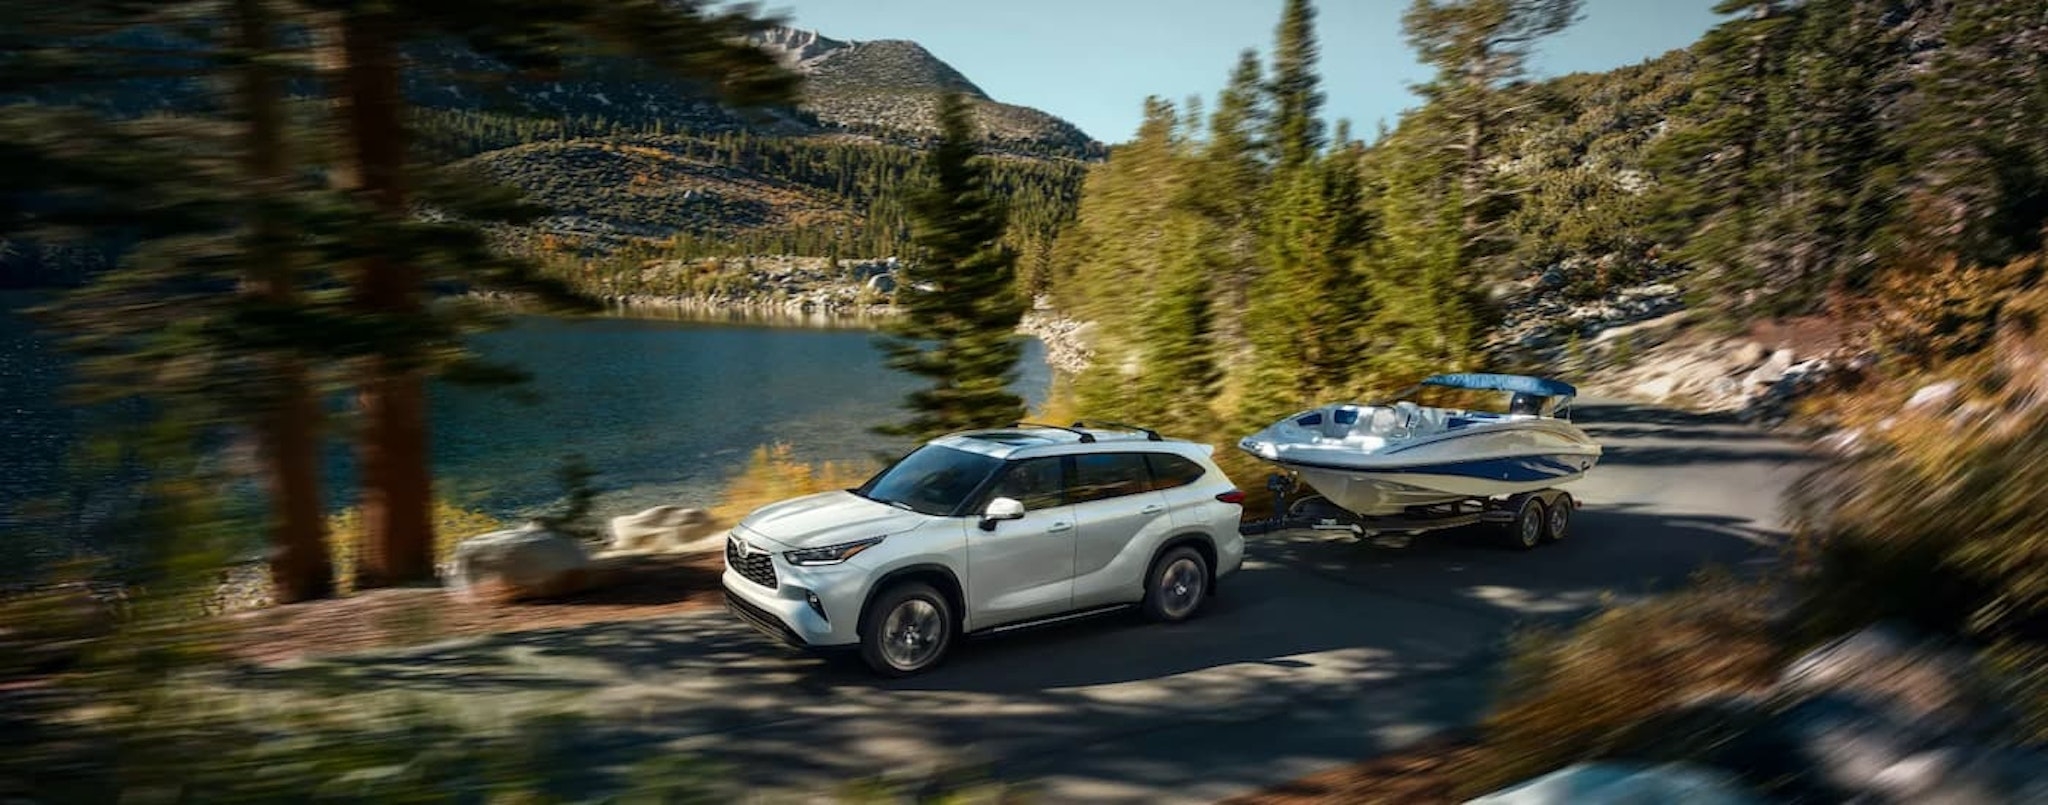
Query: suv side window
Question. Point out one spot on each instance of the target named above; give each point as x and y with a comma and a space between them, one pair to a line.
1169, 471
1038, 483
1101, 476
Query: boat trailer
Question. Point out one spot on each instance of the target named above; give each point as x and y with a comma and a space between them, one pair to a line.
1312, 511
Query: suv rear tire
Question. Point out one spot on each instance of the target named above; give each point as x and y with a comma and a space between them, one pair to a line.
907, 631
1177, 585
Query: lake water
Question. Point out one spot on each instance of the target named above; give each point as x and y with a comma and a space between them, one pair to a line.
665, 410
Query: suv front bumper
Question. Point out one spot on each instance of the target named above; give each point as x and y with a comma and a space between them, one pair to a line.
786, 611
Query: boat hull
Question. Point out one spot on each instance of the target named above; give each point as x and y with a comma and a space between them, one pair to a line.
1372, 469
1386, 491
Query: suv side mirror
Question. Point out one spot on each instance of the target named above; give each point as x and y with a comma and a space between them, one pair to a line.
1001, 509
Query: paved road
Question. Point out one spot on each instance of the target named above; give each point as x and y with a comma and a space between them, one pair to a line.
1323, 651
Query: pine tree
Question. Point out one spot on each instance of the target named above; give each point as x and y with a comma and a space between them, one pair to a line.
1978, 143
361, 41
959, 295
1478, 48
290, 414
1296, 128
1225, 189
1717, 171
1430, 314
208, 201
1178, 385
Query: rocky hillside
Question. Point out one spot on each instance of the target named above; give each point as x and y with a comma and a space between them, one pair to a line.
625, 156
893, 85
655, 188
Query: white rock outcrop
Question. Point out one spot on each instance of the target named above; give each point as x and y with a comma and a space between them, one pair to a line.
520, 563
1772, 370
665, 529
1621, 784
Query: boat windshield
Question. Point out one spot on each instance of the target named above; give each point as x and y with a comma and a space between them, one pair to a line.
931, 480
1483, 400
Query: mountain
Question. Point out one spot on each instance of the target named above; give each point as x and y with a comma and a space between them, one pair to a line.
635, 163
893, 85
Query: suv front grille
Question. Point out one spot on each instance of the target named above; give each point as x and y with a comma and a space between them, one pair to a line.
758, 568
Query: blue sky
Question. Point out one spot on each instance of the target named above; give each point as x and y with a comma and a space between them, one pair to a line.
1094, 61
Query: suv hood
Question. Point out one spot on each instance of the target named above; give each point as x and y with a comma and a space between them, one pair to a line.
829, 518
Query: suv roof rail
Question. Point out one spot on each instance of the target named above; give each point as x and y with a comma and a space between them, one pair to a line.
1086, 437
1150, 434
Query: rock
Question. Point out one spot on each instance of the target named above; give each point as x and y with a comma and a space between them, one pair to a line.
663, 528
1845, 747
1748, 355
1657, 389
1885, 665
521, 563
882, 283
1618, 783
1843, 443
1932, 395
1883, 716
1772, 370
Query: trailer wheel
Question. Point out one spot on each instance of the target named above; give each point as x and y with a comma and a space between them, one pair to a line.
1526, 530
1558, 524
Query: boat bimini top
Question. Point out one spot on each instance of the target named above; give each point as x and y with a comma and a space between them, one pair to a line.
1532, 395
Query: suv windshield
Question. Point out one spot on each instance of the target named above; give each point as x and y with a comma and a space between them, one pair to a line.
931, 480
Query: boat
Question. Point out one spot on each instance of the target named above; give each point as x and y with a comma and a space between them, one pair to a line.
1387, 458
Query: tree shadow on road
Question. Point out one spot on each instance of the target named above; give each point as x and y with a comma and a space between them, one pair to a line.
1665, 456
1365, 637
1621, 413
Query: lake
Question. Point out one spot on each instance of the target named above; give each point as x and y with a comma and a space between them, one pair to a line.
666, 410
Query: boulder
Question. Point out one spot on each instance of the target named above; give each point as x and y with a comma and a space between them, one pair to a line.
521, 563
1933, 395
1657, 389
1748, 355
1890, 669
882, 283
663, 528
1772, 370
1623, 784
1883, 716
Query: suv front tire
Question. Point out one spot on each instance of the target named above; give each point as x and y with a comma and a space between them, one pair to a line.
908, 630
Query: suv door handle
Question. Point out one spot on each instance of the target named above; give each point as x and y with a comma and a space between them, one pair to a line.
1059, 527
1152, 509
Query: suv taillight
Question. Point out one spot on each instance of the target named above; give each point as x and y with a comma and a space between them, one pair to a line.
1232, 496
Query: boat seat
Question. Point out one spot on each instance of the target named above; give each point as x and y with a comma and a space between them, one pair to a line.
1386, 421
1340, 423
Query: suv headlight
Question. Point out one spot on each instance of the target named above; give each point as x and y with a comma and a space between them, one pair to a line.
830, 554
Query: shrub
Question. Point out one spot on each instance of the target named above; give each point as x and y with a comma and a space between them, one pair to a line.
452, 525
572, 515
1587, 693
1929, 315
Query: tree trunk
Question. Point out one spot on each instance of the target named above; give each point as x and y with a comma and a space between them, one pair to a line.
398, 532
289, 424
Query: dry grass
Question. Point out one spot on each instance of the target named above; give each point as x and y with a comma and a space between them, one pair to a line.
452, 525
629, 588
1593, 691
1422, 775
775, 474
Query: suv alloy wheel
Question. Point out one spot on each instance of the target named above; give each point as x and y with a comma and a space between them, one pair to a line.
908, 630
1177, 585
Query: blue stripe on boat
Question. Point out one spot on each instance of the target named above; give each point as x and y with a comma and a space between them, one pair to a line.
1516, 469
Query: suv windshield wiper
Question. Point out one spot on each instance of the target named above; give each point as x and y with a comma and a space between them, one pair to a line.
897, 503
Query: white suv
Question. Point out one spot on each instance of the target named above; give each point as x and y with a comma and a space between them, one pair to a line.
988, 531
